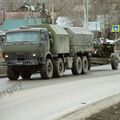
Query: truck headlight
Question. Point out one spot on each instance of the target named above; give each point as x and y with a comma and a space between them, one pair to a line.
6, 56
34, 55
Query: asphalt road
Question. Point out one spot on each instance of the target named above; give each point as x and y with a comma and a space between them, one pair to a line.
54, 97
36, 81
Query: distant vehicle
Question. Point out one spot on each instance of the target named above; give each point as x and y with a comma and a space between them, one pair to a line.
64, 21
102, 40
48, 49
2, 33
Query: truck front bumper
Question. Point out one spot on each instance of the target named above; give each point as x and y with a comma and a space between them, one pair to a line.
19, 63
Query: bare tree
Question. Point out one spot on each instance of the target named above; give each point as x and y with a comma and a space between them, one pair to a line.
70, 8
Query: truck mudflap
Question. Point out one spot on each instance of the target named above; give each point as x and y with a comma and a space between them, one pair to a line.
19, 63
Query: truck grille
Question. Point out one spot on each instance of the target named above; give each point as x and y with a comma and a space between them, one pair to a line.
19, 56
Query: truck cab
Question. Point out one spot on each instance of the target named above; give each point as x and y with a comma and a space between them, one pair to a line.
24, 49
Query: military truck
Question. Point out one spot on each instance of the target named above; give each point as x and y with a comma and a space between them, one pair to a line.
49, 50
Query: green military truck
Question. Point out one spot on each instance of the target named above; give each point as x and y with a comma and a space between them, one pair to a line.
49, 50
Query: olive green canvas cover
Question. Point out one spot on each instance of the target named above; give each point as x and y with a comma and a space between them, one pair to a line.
60, 39
81, 40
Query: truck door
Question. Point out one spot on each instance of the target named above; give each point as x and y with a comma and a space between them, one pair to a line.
45, 40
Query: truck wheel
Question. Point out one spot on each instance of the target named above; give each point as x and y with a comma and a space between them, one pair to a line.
12, 74
85, 65
47, 69
26, 75
77, 66
58, 67
114, 63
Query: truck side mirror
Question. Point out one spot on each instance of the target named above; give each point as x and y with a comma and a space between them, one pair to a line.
51, 38
44, 35
2, 38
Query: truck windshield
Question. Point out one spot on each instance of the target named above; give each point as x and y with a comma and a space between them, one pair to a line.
22, 36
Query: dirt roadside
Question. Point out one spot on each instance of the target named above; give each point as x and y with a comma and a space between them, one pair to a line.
100, 110
111, 113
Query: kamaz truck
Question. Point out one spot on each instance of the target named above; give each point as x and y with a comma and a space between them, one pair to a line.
49, 49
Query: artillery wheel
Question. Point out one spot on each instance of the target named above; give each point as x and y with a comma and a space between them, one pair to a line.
77, 66
114, 63
58, 67
85, 65
12, 74
47, 69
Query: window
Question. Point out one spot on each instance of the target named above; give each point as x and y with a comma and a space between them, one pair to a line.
22, 36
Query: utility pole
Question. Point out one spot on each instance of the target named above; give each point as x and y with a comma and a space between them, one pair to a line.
53, 13
43, 9
85, 4
30, 3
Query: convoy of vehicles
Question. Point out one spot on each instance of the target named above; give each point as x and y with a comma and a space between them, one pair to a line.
51, 49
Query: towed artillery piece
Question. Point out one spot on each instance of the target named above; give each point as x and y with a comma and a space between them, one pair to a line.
106, 52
